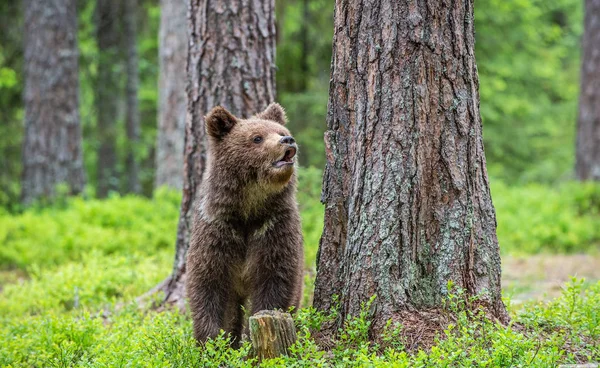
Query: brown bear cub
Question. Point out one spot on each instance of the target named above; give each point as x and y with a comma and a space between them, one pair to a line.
246, 242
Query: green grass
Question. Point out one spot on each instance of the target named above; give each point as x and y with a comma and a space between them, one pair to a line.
531, 219
41, 324
535, 218
69, 275
52, 236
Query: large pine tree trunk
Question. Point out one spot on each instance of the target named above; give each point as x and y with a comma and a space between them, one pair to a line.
587, 166
108, 92
230, 63
171, 94
52, 144
408, 204
132, 120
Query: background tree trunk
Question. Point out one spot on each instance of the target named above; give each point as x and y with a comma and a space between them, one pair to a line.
407, 197
107, 94
52, 144
171, 94
304, 36
132, 121
230, 63
587, 166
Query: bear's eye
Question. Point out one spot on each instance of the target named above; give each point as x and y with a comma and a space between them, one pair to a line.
257, 139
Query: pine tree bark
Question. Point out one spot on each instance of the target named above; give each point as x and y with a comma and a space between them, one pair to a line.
52, 151
587, 165
231, 62
407, 196
171, 94
108, 92
132, 121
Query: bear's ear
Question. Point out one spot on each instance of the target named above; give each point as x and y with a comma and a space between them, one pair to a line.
219, 122
273, 112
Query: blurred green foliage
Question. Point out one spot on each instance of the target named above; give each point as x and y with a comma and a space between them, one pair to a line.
528, 57
536, 218
532, 219
53, 235
303, 61
49, 236
11, 105
148, 24
311, 212
527, 54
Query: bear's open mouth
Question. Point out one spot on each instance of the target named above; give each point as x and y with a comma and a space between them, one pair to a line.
287, 159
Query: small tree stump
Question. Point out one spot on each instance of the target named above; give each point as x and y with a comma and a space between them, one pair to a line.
272, 333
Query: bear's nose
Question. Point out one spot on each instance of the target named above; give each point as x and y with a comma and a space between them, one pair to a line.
287, 139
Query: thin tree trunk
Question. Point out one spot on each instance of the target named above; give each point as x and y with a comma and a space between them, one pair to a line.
11, 104
230, 63
107, 94
171, 94
52, 151
408, 204
305, 45
587, 166
132, 121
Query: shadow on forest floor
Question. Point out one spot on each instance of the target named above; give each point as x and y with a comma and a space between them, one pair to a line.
542, 277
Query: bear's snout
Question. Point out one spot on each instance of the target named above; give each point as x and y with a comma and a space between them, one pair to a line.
288, 139
287, 159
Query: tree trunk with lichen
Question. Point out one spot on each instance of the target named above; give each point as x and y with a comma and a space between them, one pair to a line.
231, 62
407, 196
587, 165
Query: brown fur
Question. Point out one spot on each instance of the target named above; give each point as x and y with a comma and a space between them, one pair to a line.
246, 242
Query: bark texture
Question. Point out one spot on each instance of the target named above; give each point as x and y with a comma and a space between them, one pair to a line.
408, 204
587, 166
52, 151
231, 62
171, 94
132, 119
108, 92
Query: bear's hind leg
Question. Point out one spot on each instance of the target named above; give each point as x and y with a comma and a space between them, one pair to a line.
235, 320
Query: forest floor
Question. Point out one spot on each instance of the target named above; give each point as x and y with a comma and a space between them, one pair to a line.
542, 277
524, 278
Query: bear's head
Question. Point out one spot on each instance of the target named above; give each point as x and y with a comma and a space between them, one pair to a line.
256, 150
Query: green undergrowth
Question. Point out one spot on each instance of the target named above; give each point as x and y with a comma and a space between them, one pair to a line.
531, 218
70, 273
535, 218
83, 315
51, 236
